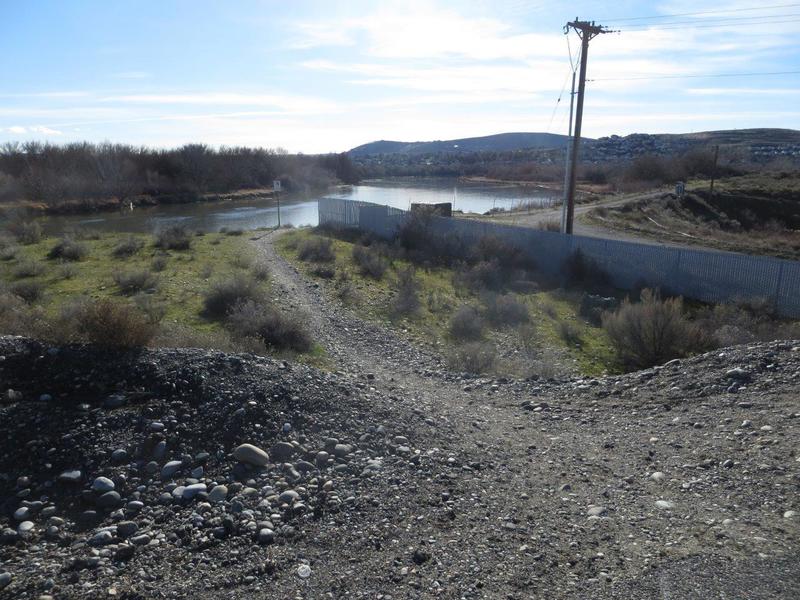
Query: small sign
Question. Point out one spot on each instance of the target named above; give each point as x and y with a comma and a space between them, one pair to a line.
276, 185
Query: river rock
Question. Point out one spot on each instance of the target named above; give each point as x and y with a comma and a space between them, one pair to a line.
102, 485
251, 455
281, 452
218, 494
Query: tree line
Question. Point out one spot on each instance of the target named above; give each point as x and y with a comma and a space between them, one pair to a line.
85, 172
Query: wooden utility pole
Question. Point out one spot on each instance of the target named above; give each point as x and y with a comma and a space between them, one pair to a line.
714, 170
564, 202
587, 31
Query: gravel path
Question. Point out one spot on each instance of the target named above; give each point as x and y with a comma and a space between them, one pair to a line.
391, 477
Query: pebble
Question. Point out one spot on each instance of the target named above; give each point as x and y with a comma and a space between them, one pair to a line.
304, 571
190, 491
5, 579
657, 476
596, 511
218, 494
102, 485
109, 500
665, 504
266, 536
789, 514
22, 513
25, 527
251, 455
73, 476
282, 452
289, 497
169, 469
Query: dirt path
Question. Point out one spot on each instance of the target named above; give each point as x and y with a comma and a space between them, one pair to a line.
554, 492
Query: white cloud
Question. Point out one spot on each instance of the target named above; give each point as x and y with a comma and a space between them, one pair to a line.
17, 129
288, 103
41, 129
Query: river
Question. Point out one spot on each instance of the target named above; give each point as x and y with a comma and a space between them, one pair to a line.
478, 197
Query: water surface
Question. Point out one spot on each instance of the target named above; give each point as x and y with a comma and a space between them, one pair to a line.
253, 213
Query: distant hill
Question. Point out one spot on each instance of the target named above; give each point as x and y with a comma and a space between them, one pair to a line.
500, 142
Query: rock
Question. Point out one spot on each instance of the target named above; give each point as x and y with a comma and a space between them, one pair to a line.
282, 452
109, 500
190, 491
657, 476
266, 536
789, 514
251, 455
289, 497
25, 527
737, 373
140, 540
101, 538
420, 556
322, 459
218, 494
169, 469
102, 485
5, 579
73, 476
119, 455
114, 401
124, 552
342, 450
727, 464
126, 529
22, 513
304, 571
665, 504
596, 511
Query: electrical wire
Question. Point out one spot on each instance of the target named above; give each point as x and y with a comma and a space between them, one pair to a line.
711, 75
716, 21
708, 12
771, 21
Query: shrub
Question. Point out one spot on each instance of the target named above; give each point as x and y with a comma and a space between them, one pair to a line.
485, 275
277, 330
9, 253
176, 237
226, 294
406, 300
131, 282
324, 271
369, 262
261, 270
68, 249
151, 307
25, 232
316, 249
29, 291
568, 332
505, 310
466, 323
234, 232
128, 247
475, 357
67, 271
28, 268
114, 324
345, 290
652, 331
159, 263
549, 225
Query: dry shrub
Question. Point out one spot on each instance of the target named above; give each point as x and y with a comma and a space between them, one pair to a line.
260, 270
324, 271
175, 335
132, 282
275, 329
505, 310
344, 288
466, 323
8, 253
128, 247
29, 291
68, 248
568, 332
549, 225
28, 268
369, 262
114, 324
224, 295
16, 317
744, 323
176, 237
474, 357
316, 249
67, 271
25, 232
159, 263
652, 331
406, 300
484, 275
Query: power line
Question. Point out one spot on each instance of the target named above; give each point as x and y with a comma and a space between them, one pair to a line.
773, 20
765, 73
749, 19
708, 12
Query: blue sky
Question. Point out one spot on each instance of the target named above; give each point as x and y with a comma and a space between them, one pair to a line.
325, 76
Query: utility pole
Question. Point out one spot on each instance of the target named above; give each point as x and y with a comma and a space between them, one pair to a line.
587, 31
714, 170
568, 154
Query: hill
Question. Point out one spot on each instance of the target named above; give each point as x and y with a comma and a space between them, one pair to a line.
500, 142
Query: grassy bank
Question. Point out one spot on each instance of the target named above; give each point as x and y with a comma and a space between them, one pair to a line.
164, 281
553, 339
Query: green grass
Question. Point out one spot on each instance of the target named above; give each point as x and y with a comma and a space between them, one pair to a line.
440, 298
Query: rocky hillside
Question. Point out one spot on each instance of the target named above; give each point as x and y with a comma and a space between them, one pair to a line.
175, 473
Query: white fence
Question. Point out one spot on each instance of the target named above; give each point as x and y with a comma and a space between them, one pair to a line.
700, 274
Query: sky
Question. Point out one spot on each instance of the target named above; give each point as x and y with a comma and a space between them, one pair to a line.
311, 76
